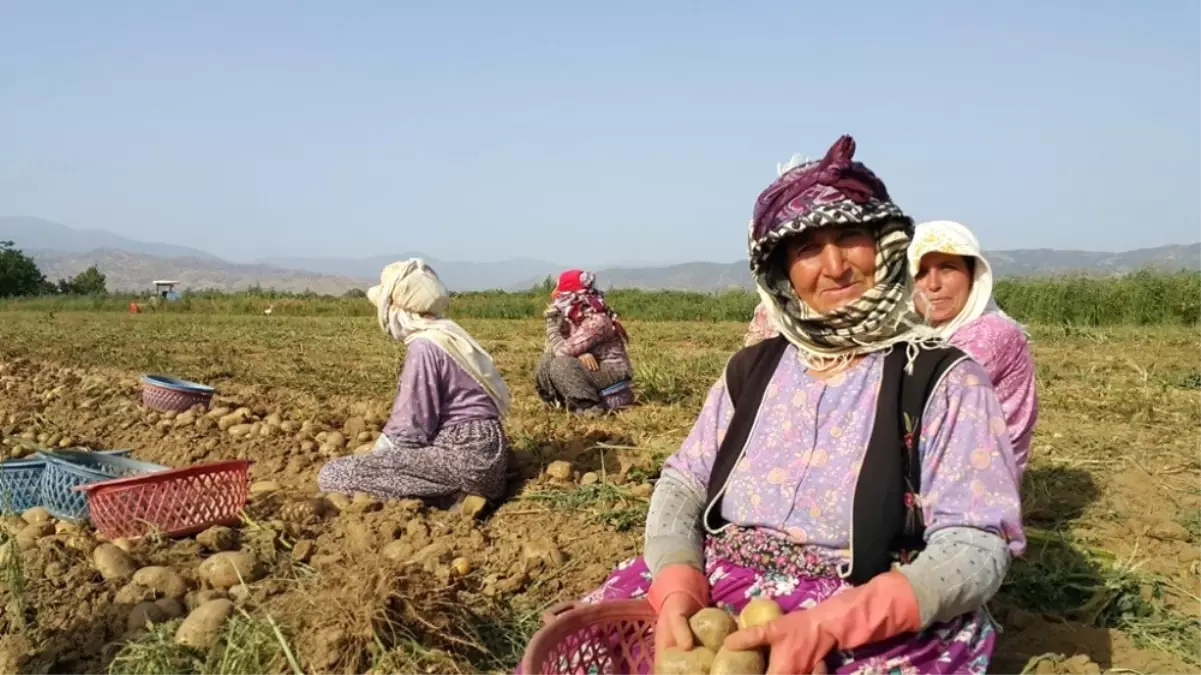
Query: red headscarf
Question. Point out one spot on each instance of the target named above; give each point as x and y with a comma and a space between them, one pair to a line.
576, 296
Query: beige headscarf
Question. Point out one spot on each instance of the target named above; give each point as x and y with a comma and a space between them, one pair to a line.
948, 236
410, 288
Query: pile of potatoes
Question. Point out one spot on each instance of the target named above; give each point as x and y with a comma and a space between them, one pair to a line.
710, 627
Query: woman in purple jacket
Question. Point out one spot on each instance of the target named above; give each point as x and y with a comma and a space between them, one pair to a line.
444, 438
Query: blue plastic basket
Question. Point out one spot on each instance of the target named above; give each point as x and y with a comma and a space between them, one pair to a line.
21, 482
66, 469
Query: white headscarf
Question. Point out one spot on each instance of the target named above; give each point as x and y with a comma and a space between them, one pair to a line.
410, 288
950, 237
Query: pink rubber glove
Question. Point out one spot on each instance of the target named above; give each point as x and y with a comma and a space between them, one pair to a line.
799, 641
678, 592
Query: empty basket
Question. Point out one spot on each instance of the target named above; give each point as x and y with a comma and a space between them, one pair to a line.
168, 393
177, 502
21, 482
67, 469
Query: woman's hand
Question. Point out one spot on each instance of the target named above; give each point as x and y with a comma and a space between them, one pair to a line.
878, 610
589, 362
796, 641
671, 626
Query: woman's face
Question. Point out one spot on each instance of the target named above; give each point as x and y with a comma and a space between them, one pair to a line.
944, 282
831, 266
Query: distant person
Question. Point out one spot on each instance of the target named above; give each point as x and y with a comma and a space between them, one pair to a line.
954, 294
444, 438
585, 366
760, 328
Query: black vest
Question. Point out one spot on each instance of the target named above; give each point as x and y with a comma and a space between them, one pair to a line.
886, 516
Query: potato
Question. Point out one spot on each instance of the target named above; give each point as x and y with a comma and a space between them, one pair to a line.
676, 661
165, 581
758, 612
199, 630
112, 563
738, 662
223, 569
711, 626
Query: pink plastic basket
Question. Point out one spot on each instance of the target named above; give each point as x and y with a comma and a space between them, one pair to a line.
608, 638
163, 393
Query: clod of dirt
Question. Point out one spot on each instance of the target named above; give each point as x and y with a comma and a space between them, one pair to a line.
264, 487
560, 470
360, 536
364, 503
171, 607
199, 630
218, 538
543, 550
37, 515
66, 527
398, 551
132, 594
303, 550
239, 594
1167, 530
164, 581
353, 427
304, 511
590, 478
642, 490
113, 563
338, 501
142, 615
335, 440
223, 569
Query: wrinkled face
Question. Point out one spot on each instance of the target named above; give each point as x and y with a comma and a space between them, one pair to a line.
831, 266
944, 282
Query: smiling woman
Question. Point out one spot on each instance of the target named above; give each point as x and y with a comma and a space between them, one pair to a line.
953, 292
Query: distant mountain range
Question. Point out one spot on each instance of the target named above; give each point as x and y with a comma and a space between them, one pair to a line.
62, 252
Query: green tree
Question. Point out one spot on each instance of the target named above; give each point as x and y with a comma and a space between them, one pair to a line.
355, 293
88, 282
19, 274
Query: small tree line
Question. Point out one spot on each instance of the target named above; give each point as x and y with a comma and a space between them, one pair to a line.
20, 276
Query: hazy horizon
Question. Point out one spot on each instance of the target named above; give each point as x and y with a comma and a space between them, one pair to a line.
592, 135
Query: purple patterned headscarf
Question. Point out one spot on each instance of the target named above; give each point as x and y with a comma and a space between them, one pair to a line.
835, 191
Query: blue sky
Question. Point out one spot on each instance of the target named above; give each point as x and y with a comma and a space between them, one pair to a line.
589, 133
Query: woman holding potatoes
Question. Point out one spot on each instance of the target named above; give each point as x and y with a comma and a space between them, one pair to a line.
859, 478
444, 438
585, 366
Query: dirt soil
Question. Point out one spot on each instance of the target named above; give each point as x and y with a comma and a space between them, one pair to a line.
359, 585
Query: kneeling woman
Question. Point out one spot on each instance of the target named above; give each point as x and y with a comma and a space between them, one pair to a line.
444, 438
585, 365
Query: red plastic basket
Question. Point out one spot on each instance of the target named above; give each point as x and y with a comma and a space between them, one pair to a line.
608, 638
177, 502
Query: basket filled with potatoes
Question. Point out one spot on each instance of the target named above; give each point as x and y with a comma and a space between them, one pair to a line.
618, 637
